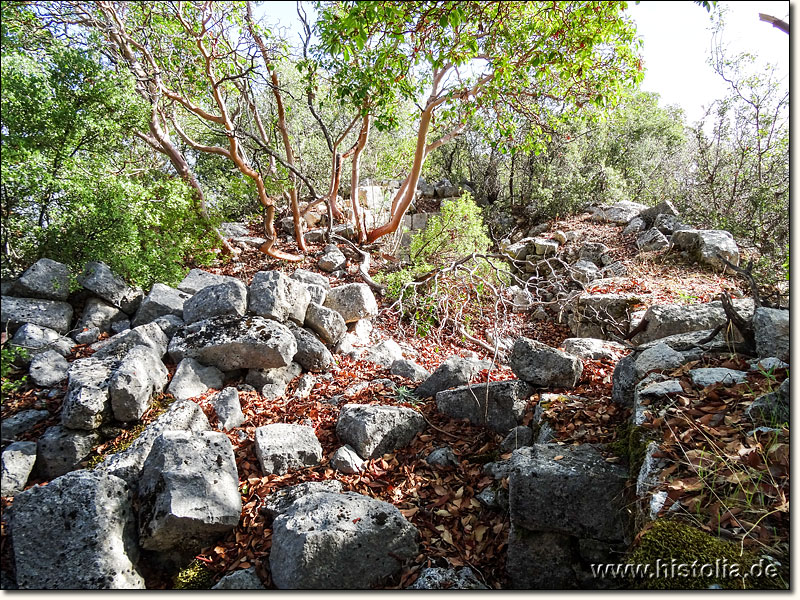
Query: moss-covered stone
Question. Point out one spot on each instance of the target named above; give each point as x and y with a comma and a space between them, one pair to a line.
123, 441
679, 556
631, 444
194, 577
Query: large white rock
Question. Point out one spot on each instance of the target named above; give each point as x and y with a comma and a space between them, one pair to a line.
373, 431
98, 278
230, 343
162, 300
188, 491
45, 279
224, 299
275, 296
772, 332
77, 532
703, 245
353, 301
131, 387
15, 312
182, 415
339, 541
281, 447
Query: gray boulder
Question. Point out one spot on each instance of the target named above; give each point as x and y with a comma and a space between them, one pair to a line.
332, 259
621, 212
652, 240
241, 579
46, 279
518, 437
442, 457
544, 246
703, 245
584, 271
384, 353
98, 278
453, 372
317, 293
660, 357
60, 450
169, 324
304, 386
635, 225
665, 208
258, 378
592, 348
279, 501
98, 317
281, 447
228, 408
314, 542
197, 279
139, 375
188, 491
772, 332
276, 296
228, 299
309, 277
149, 334
48, 369
373, 431
77, 532
192, 379
409, 369
17, 462
182, 415
669, 319
230, 343
162, 300
232, 230
36, 339
709, 376
544, 366
624, 380
650, 394
498, 404
540, 560
437, 578
328, 324
353, 301
311, 353
603, 316
346, 460
15, 312
86, 404
668, 224
579, 494
20, 423
595, 252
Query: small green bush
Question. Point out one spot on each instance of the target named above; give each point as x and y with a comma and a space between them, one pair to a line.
8, 355
457, 231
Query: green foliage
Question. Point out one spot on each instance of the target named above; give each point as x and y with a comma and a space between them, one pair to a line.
457, 231
450, 237
8, 355
741, 182
75, 186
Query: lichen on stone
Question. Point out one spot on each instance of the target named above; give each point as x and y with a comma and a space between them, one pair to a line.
196, 576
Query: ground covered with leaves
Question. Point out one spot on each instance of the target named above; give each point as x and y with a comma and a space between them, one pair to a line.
723, 476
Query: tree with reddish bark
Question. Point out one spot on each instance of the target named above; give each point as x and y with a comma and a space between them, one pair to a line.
457, 59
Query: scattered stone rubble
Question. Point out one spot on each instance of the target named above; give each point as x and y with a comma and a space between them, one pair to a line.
176, 488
